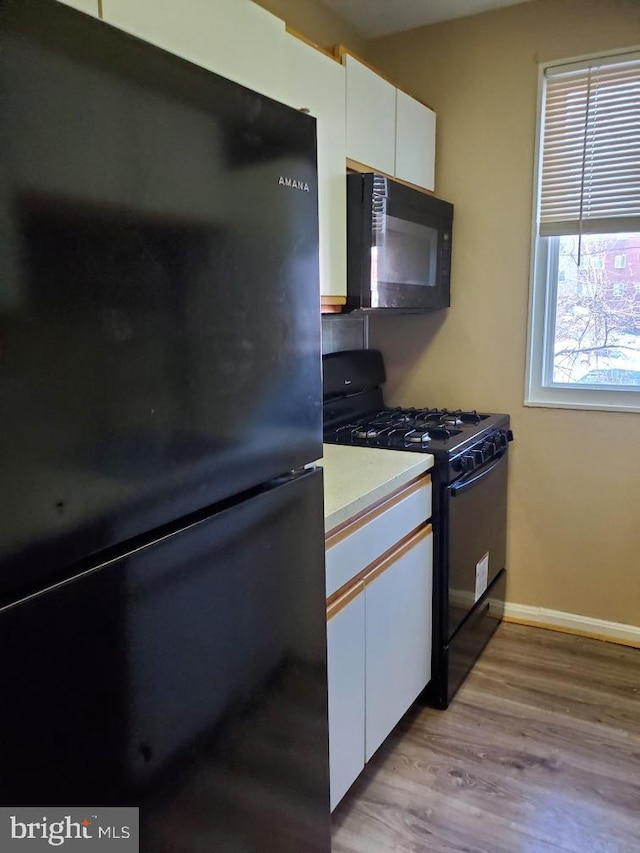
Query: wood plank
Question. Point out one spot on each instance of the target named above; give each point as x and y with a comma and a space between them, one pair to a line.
326, 51
539, 751
332, 304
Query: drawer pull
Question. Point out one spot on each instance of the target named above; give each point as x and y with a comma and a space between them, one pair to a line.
371, 512
339, 600
387, 560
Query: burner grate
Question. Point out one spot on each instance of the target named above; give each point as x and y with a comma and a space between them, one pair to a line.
443, 432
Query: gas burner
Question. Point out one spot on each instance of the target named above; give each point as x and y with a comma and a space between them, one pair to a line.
470, 417
452, 419
366, 433
417, 437
398, 416
430, 417
447, 417
444, 432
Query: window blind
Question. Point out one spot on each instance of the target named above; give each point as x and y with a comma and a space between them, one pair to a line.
590, 181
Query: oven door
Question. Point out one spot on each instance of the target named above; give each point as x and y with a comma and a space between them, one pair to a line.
476, 509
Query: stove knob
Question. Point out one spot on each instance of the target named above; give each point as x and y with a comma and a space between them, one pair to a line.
478, 456
467, 463
489, 449
509, 435
502, 438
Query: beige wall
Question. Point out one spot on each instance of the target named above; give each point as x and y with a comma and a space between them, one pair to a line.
574, 530
316, 22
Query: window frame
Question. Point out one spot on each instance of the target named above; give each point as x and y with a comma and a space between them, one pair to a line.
540, 391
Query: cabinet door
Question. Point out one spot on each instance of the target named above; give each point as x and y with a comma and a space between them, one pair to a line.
398, 601
346, 671
317, 83
234, 38
371, 117
415, 142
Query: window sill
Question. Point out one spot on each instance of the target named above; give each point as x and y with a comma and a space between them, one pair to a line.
552, 400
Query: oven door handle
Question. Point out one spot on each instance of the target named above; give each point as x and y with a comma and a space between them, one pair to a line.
467, 484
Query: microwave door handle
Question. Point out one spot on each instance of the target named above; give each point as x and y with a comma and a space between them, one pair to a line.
468, 484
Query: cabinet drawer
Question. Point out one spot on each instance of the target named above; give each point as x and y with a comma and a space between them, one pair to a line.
355, 546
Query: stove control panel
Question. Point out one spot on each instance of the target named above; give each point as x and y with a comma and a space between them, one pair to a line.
484, 451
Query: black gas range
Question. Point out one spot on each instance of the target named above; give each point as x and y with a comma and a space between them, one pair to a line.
469, 478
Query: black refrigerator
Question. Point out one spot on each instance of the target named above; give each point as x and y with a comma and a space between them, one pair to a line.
162, 617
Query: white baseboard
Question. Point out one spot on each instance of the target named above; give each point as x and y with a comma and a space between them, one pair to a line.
572, 623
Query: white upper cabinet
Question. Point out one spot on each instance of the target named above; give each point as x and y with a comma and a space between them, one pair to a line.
415, 142
88, 6
315, 83
234, 38
387, 130
371, 117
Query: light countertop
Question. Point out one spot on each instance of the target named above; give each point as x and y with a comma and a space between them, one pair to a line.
356, 477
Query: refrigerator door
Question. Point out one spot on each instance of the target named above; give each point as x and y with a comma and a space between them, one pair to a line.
187, 678
159, 308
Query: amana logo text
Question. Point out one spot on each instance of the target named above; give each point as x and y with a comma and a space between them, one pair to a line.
293, 184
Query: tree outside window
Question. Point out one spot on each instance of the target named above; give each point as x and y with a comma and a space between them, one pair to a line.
597, 311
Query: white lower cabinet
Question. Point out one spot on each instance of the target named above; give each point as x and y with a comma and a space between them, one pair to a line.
378, 630
398, 636
346, 667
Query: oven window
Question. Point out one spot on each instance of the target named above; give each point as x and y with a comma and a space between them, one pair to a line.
405, 253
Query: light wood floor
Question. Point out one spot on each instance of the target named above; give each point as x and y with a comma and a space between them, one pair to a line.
538, 753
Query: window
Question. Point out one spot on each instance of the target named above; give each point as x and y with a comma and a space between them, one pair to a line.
584, 342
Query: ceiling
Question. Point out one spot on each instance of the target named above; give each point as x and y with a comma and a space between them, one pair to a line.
375, 18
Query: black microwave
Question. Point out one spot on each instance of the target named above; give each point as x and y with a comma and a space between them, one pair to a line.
398, 246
